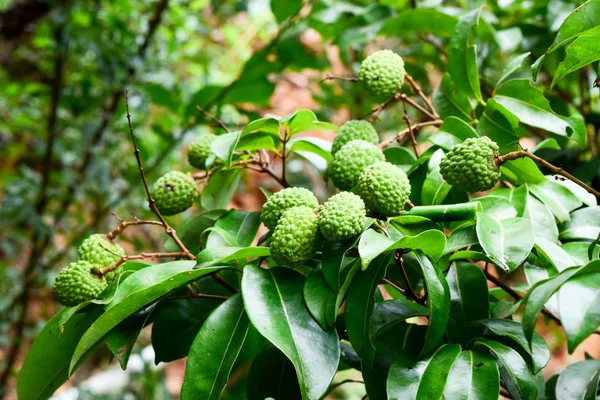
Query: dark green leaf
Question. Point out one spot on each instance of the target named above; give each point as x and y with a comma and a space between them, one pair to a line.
320, 299
221, 255
241, 226
220, 189
458, 128
435, 188
579, 381
285, 9
191, 230
448, 101
582, 20
420, 20
473, 376
272, 375
583, 51
386, 314
314, 145
511, 66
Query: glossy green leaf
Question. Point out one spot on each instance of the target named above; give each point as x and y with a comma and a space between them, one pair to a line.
468, 300
272, 375
516, 196
583, 51
424, 379
511, 66
582, 20
372, 243
215, 350
579, 381
400, 157
320, 299
496, 207
332, 260
388, 313
224, 254
191, 230
420, 20
268, 125
275, 305
438, 302
46, 366
121, 339
461, 238
474, 376
258, 141
139, 289
435, 188
542, 219
359, 308
553, 254
538, 353
560, 200
239, 227
584, 224
224, 145
220, 189
462, 56
449, 102
305, 120
318, 146
507, 242
447, 213
458, 128
515, 373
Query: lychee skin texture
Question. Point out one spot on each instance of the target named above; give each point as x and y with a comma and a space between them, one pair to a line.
283, 200
100, 251
76, 284
470, 165
295, 239
174, 192
199, 150
342, 217
349, 162
354, 130
384, 188
382, 73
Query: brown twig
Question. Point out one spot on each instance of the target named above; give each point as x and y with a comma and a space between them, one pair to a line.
398, 136
213, 117
419, 91
381, 228
284, 139
126, 224
398, 96
556, 170
136, 151
411, 291
342, 78
413, 140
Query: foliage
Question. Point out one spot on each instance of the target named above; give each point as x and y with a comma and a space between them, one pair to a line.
406, 301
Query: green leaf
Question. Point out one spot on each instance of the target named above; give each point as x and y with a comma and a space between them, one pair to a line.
258, 141
435, 188
579, 381
420, 20
139, 289
305, 120
267, 125
221, 255
241, 226
387, 314
507, 242
584, 225
583, 19
539, 293
359, 308
553, 254
285, 9
421, 380
531, 107
332, 260
511, 66
461, 238
558, 198
224, 145
220, 189
447, 213
448, 101
320, 299
121, 339
515, 373
215, 350
46, 366
496, 207
458, 128
272, 375
579, 308
318, 146
371, 244
473, 376
275, 305
400, 157
438, 302
583, 51
468, 299
191, 231
462, 56
542, 219
538, 353
516, 196
175, 325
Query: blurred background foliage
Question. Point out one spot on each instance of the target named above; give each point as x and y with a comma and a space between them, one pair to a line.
66, 163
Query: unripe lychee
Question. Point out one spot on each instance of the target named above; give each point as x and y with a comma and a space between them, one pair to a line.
98, 250
384, 187
382, 72
342, 217
295, 238
174, 192
199, 150
471, 165
76, 284
354, 130
349, 162
283, 200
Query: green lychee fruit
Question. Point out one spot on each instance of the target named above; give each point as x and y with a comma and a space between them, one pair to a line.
354, 130
283, 200
382, 72
99, 250
76, 284
174, 192
342, 217
349, 162
199, 150
295, 238
384, 187
471, 165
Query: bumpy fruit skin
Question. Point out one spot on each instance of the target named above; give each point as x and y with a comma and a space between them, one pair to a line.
354, 130
174, 192
382, 72
76, 284
100, 251
199, 150
283, 200
295, 239
342, 217
470, 165
349, 162
384, 187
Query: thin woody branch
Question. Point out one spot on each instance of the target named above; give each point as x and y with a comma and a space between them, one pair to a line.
556, 170
400, 135
213, 117
126, 224
342, 78
419, 91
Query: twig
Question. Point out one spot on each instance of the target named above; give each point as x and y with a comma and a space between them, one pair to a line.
381, 228
224, 283
213, 117
136, 151
556, 170
419, 91
198, 296
343, 78
125, 224
284, 141
413, 141
143, 256
375, 113
398, 136
411, 291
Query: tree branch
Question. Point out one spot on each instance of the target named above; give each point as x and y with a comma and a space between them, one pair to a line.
213, 117
413, 127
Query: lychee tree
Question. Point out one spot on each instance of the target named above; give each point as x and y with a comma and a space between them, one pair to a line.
401, 274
